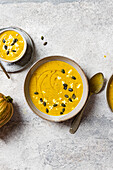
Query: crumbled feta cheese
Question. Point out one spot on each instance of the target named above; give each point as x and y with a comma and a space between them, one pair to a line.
58, 77
69, 71
71, 85
63, 82
76, 98
45, 100
10, 37
78, 86
16, 45
54, 101
50, 107
60, 98
64, 101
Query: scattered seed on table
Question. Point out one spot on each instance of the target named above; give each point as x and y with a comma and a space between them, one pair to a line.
5, 46
7, 52
3, 40
70, 99
73, 96
45, 43
55, 105
13, 50
63, 71
66, 96
41, 100
47, 111
61, 113
63, 105
73, 77
44, 103
36, 93
63, 109
42, 38
70, 89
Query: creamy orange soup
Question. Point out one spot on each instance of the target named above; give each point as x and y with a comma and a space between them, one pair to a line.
11, 45
110, 94
56, 88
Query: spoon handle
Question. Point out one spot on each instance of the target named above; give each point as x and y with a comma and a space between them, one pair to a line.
4, 71
76, 122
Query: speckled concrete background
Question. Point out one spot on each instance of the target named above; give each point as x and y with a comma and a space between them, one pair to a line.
82, 30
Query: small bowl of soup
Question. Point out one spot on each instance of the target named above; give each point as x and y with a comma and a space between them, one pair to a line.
56, 88
12, 45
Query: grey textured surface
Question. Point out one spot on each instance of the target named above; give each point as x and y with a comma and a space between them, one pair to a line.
82, 30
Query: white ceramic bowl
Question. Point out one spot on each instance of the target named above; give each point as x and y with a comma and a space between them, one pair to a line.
77, 108
25, 44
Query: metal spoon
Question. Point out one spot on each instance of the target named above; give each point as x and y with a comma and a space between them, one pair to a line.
95, 86
4, 71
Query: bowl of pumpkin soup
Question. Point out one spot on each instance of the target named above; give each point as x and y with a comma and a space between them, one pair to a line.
56, 88
12, 45
109, 93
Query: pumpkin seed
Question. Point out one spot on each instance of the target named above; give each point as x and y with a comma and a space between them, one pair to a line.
61, 113
7, 52
36, 93
70, 99
12, 44
3, 40
44, 103
66, 96
42, 38
63, 105
73, 96
70, 89
13, 50
45, 43
55, 105
41, 100
63, 109
47, 111
65, 86
5, 46
15, 40
73, 77
63, 71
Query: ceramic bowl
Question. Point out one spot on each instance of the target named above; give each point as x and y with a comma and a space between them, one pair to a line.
25, 44
77, 108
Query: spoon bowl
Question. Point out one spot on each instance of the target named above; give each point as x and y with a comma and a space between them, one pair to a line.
96, 83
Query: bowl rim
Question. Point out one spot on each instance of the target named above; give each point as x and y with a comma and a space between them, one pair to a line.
87, 88
107, 86
25, 43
